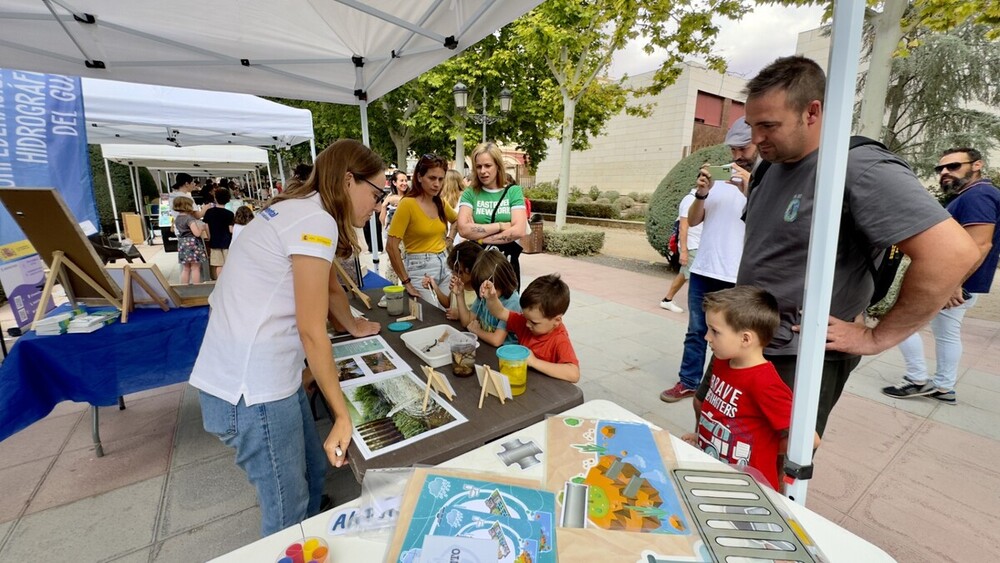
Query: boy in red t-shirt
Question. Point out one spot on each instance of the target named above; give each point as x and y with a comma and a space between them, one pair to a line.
744, 418
539, 326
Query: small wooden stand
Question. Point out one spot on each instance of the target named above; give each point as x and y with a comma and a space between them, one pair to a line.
440, 384
128, 296
491, 386
351, 285
416, 311
60, 263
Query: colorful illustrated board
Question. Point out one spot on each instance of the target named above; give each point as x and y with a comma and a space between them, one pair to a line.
486, 518
615, 493
388, 414
367, 357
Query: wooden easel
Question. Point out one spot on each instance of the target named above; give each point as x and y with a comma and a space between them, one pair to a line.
60, 263
128, 296
351, 285
416, 311
491, 386
439, 383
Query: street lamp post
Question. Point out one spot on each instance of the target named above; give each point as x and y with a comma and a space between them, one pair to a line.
461, 93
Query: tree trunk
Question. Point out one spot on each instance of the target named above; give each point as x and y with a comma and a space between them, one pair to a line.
888, 32
569, 116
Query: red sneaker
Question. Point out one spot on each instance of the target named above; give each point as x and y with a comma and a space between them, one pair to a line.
676, 393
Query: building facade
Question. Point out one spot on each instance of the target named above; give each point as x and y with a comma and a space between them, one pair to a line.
635, 153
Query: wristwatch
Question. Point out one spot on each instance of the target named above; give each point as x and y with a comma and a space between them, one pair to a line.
698, 196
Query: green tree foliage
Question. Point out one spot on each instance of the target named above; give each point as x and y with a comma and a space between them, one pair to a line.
124, 198
576, 41
674, 186
944, 94
894, 28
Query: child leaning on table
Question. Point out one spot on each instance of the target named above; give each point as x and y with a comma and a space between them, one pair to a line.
744, 418
461, 259
540, 327
491, 266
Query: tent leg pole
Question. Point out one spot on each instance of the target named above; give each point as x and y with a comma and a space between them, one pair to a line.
111, 192
270, 179
312, 149
281, 170
363, 106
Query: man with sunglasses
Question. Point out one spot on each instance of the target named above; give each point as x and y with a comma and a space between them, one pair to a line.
975, 203
884, 204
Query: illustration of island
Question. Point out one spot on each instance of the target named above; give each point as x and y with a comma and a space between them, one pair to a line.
612, 480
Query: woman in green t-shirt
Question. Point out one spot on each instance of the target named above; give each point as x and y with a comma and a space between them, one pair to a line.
490, 211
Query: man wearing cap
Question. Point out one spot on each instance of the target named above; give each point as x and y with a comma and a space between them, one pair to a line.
718, 204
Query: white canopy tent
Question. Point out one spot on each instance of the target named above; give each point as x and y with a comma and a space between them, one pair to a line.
353, 51
205, 160
123, 112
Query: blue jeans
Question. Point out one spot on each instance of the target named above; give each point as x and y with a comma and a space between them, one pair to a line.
693, 362
947, 329
277, 446
433, 265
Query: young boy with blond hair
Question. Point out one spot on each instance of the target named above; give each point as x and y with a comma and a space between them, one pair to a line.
539, 326
744, 419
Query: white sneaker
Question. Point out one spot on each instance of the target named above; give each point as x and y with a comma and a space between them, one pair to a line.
669, 305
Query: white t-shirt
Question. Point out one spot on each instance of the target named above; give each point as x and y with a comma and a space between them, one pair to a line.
251, 347
694, 233
721, 245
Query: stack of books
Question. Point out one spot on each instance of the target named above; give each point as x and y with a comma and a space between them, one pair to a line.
92, 321
56, 324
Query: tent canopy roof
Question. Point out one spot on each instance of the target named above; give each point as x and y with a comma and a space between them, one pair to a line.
210, 160
122, 112
326, 50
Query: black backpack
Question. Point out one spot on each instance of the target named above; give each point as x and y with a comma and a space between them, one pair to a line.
883, 266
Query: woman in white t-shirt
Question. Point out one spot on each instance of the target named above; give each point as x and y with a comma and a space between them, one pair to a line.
269, 312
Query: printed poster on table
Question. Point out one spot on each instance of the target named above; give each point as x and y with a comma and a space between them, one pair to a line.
22, 281
369, 357
454, 515
388, 412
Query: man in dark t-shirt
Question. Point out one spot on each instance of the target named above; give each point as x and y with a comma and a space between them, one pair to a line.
220, 222
974, 202
885, 204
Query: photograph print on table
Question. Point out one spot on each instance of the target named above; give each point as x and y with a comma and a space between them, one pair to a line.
367, 358
388, 413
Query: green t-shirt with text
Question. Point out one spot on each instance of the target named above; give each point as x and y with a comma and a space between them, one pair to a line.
483, 202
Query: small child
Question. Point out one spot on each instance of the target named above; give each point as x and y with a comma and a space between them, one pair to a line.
540, 327
190, 251
745, 417
492, 267
461, 259
243, 215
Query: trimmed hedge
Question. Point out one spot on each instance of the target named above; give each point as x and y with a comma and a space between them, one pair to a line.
572, 241
667, 197
592, 210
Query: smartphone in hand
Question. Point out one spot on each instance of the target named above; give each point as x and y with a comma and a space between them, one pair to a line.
721, 173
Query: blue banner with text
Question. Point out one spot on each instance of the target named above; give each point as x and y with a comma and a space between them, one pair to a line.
43, 143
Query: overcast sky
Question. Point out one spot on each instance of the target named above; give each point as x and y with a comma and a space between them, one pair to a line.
748, 45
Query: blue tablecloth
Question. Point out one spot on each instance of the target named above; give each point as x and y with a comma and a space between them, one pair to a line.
153, 349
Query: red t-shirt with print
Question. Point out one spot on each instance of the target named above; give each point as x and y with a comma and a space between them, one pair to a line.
553, 347
744, 416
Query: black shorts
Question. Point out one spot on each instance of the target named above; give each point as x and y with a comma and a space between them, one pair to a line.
836, 370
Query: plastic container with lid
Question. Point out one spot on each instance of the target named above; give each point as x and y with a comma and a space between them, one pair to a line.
513, 360
395, 299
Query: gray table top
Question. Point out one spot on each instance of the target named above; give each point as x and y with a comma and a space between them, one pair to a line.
544, 396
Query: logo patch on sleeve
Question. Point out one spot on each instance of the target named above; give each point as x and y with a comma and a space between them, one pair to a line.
317, 239
269, 213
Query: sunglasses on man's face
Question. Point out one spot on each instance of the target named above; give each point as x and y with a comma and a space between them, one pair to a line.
951, 166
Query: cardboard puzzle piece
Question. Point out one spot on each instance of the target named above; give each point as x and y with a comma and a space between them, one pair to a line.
521, 453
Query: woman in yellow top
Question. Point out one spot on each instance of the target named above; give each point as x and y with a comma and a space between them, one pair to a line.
421, 222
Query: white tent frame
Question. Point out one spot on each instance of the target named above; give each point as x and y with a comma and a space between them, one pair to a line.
380, 68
